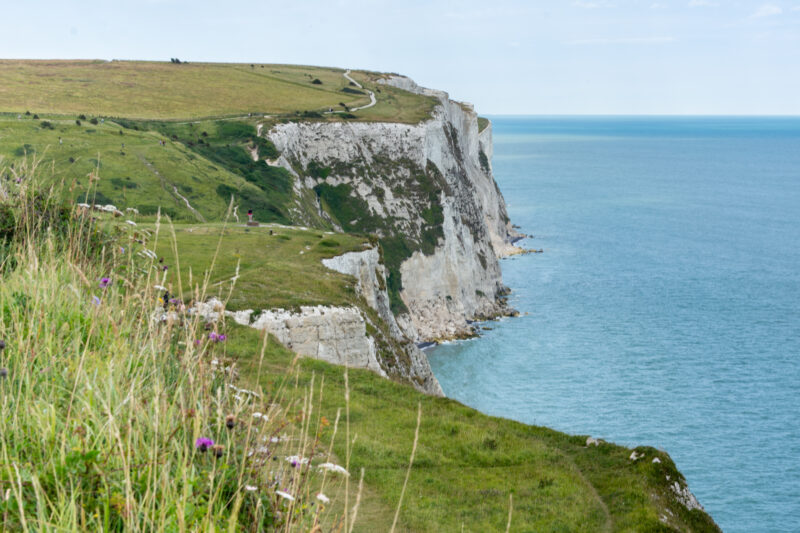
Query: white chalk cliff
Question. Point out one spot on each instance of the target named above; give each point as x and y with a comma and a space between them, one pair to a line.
458, 277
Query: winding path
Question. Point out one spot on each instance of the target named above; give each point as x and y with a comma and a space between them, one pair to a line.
372, 100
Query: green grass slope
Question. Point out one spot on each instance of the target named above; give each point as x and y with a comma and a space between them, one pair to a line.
130, 168
468, 463
273, 266
162, 90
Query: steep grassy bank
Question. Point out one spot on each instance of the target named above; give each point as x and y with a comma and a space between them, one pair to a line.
468, 464
110, 398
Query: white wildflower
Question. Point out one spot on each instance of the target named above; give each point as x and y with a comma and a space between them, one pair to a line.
250, 488
330, 467
130, 222
285, 495
159, 287
296, 459
324, 499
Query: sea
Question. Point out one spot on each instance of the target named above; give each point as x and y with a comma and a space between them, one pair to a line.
665, 307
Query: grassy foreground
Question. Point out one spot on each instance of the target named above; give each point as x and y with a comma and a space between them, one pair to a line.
118, 410
470, 467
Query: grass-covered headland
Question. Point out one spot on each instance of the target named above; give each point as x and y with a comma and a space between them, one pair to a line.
124, 410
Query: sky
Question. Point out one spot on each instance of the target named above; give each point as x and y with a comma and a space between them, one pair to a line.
705, 57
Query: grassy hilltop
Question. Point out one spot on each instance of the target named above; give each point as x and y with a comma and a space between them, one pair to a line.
105, 387
170, 91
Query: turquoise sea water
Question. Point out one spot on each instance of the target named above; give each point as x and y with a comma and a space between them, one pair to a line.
665, 309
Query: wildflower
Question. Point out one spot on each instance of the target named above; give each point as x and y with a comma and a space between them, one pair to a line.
131, 222
104, 282
218, 450
165, 268
330, 467
324, 499
250, 488
159, 287
122, 249
259, 416
230, 421
297, 460
3, 373
2, 345
95, 300
213, 336
190, 413
221, 338
285, 495
203, 444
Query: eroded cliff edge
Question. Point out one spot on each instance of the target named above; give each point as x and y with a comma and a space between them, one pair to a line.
427, 192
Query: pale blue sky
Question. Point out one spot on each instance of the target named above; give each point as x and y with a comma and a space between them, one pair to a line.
512, 57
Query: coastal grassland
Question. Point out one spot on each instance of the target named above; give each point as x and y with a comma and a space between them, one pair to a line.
279, 270
482, 123
169, 91
159, 90
130, 167
467, 464
393, 104
105, 391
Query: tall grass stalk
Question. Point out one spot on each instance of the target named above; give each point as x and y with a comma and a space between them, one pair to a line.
410, 464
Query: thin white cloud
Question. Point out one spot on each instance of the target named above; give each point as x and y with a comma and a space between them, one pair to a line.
702, 3
767, 10
623, 40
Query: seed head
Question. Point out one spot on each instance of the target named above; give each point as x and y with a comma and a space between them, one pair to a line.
230, 421
218, 450
3, 373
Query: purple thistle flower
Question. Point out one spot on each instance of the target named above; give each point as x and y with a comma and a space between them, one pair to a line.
95, 300
104, 282
203, 444
213, 336
165, 268
221, 338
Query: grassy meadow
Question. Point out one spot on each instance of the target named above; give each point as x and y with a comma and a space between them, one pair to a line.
259, 268
169, 91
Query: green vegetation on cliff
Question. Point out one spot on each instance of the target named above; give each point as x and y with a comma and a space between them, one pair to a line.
105, 387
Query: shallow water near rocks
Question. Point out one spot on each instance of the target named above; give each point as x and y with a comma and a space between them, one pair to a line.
664, 309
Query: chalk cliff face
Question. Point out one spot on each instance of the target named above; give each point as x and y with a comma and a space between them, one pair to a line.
428, 187
395, 353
